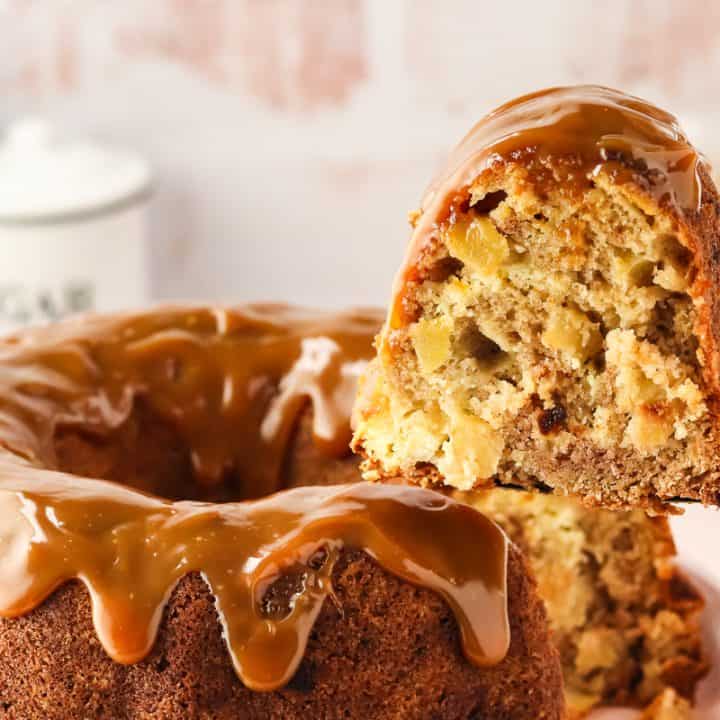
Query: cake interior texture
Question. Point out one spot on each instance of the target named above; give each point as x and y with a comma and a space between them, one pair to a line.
546, 326
553, 341
624, 618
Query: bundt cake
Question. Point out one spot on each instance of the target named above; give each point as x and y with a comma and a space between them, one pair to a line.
624, 618
556, 321
155, 561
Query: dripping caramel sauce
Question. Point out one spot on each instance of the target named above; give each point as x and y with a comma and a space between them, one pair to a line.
130, 550
233, 383
565, 136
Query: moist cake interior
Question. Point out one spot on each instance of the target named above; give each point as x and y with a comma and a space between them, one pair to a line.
625, 619
551, 331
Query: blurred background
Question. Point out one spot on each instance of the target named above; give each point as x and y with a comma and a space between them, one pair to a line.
277, 145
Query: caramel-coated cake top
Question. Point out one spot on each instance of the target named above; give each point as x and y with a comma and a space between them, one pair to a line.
575, 130
233, 383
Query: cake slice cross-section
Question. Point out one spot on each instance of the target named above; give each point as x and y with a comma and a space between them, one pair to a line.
624, 616
556, 321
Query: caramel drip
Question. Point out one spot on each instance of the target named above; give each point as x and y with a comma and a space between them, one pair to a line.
131, 549
580, 131
232, 382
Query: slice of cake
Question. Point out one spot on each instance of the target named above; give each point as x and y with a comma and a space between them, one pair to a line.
556, 320
625, 620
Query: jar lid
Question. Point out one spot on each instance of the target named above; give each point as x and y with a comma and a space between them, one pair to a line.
44, 178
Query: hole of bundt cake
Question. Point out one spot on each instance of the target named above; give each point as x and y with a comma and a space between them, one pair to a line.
145, 452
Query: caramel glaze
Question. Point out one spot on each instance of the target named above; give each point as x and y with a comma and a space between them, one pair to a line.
563, 135
232, 382
212, 373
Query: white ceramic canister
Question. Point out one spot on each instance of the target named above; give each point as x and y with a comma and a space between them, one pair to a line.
73, 227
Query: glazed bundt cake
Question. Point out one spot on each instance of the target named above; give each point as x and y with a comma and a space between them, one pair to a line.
155, 561
624, 618
556, 321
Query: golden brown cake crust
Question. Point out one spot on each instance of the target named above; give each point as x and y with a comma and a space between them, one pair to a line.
382, 649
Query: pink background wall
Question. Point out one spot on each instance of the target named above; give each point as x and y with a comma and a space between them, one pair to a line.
291, 137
